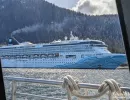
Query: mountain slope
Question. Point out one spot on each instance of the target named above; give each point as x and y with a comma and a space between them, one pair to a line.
39, 21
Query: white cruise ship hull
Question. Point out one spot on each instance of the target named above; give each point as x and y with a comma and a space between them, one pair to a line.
61, 54
109, 61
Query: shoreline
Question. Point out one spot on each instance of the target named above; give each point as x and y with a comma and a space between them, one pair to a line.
123, 67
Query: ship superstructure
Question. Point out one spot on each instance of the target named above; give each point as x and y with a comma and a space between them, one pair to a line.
57, 54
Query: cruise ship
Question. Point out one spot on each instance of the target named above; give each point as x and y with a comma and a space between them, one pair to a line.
84, 54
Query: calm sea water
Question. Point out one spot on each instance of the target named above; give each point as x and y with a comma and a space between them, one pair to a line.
82, 75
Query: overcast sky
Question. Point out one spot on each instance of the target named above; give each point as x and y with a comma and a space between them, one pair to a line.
64, 3
92, 7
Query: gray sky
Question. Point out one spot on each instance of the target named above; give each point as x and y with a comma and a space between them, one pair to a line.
64, 3
92, 7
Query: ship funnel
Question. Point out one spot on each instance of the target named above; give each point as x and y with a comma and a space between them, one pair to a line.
12, 41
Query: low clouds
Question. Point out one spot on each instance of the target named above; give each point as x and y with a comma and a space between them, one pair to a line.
96, 7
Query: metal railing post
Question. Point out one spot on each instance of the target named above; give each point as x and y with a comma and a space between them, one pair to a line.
14, 86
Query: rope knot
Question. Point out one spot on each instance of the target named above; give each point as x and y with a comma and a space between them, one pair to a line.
110, 85
72, 88
70, 83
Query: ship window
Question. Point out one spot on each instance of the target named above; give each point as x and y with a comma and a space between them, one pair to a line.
70, 56
101, 45
82, 56
94, 42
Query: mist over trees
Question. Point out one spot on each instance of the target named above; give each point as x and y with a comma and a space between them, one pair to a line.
18, 17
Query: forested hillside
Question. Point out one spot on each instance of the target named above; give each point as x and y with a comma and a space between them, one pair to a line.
38, 21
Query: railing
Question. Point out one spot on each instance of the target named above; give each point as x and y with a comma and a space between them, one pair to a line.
48, 82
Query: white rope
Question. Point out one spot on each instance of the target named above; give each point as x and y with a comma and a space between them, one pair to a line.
108, 85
